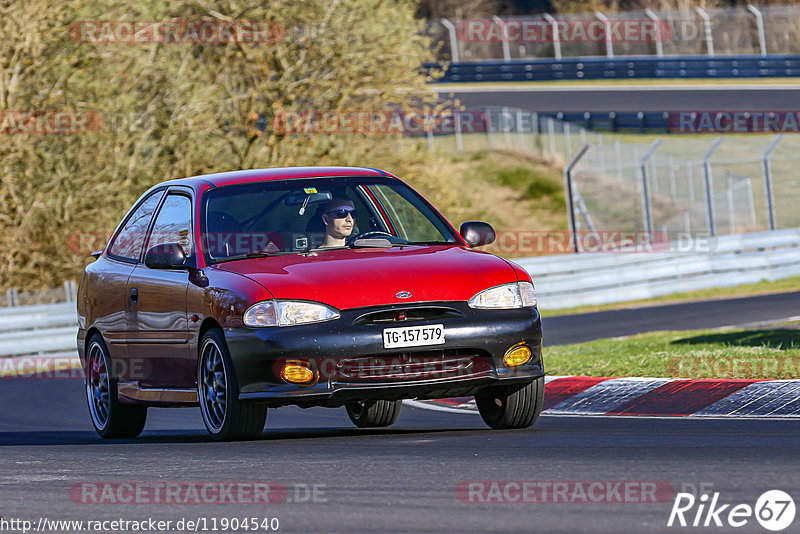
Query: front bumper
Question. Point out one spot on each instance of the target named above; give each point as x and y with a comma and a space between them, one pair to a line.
350, 362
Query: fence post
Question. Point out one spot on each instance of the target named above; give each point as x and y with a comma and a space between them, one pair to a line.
459, 140
762, 41
490, 129
768, 180
607, 31
454, 53
659, 45
708, 32
566, 132
551, 127
556, 37
11, 295
520, 137
731, 210
504, 32
709, 191
646, 207
505, 118
568, 187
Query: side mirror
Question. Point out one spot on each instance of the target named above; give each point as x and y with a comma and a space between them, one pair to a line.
166, 256
477, 233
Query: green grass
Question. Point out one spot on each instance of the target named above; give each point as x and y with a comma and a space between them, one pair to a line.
771, 353
746, 290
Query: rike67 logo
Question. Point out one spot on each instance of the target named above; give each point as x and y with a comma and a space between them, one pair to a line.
774, 510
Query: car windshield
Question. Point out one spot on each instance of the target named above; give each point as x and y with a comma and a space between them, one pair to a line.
298, 215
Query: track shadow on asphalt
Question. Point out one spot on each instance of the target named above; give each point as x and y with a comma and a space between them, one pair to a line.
782, 339
39, 438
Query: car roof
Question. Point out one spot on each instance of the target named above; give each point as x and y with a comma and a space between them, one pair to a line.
278, 173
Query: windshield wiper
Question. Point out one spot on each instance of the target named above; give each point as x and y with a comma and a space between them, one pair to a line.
257, 254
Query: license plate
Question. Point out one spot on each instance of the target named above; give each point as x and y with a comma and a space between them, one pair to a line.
413, 336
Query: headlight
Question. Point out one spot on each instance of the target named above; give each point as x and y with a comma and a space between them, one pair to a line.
288, 313
516, 295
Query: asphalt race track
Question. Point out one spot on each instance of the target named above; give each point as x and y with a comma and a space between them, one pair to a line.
745, 311
605, 98
404, 479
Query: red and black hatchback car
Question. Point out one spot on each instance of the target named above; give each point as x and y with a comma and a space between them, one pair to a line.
318, 286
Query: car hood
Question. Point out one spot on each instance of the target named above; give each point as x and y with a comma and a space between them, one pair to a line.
353, 278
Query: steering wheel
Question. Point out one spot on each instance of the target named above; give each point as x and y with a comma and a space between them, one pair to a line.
374, 233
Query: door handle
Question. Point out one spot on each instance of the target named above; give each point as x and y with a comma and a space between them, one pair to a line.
134, 294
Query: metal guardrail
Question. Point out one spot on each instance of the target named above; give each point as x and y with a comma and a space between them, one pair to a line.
601, 278
561, 281
631, 67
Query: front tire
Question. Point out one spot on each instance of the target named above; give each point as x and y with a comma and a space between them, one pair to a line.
225, 416
109, 418
373, 413
513, 406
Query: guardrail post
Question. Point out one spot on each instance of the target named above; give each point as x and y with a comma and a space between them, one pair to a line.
762, 41
709, 191
69, 290
451, 29
12, 296
569, 194
708, 32
768, 180
504, 32
659, 45
609, 36
556, 37
646, 207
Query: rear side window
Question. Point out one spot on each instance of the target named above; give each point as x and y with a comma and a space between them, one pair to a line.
174, 223
130, 240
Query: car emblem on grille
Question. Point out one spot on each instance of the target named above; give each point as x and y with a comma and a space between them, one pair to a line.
403, 294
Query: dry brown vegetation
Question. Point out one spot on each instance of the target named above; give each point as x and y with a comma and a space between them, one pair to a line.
167, 110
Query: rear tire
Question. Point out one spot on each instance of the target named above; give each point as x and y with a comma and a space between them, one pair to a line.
225, 416
513, 406
109, 418
373, 413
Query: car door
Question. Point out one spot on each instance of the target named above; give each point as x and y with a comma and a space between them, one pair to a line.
159, 341
109, 299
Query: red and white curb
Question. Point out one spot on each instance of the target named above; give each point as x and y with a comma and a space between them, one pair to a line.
666, 397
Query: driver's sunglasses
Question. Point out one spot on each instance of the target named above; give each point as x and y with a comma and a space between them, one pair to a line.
342, 214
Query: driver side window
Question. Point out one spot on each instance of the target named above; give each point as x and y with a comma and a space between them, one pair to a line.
174, 224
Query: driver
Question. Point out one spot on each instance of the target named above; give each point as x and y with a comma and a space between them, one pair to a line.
338, 216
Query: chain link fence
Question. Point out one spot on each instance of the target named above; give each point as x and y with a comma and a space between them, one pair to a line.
678, 32
672, 187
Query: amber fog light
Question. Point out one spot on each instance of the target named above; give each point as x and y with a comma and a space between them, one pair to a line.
297, 373
517, 355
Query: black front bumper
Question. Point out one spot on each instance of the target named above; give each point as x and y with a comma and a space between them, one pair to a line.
471, 358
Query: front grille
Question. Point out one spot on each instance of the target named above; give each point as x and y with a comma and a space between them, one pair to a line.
423, 365
411, 313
